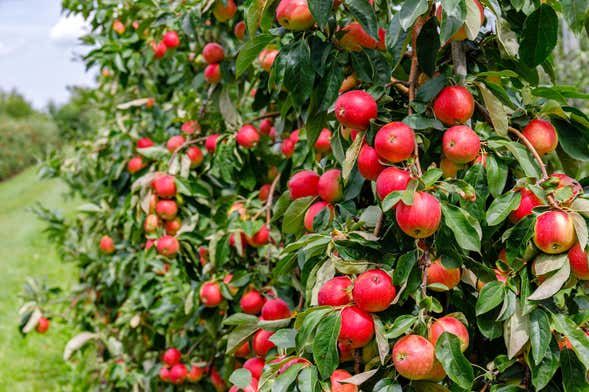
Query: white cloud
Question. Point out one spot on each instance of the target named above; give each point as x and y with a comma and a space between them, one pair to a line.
68, 29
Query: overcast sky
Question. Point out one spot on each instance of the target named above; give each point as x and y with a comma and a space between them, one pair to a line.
37, 50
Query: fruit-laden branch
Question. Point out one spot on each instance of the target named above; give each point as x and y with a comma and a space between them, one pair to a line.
184, 145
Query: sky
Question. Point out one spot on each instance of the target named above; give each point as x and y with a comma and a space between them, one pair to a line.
38, 47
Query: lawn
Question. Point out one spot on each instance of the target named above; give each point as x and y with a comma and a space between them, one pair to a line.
33, 363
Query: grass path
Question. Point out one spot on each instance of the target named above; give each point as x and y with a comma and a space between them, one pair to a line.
33, 363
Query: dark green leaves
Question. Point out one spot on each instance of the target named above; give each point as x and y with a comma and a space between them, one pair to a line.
490, 297
321, 10
249, 51
428, 44
241, 378
410, 11
573, 373
466, 229
363, 12
540, 34
453, 361
298, 71
502, 206
540, 335
576, 336
325, 352
294, 215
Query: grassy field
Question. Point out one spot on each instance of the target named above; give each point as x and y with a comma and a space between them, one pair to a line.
33, 363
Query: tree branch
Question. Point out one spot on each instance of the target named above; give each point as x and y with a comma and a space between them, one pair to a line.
459, 60
413, 81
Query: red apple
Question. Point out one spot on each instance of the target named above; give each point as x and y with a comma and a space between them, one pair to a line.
159, 49
275, 309
224, 10
323, 143
579, 263
215, 376
262, 343
266, 58
144, 142
395, 142
454, 105
178, 373
357, 327
164, 186
210, 294
391, 179
151, 223
355, 109
242, 240
118, 27
528, 201
42, 325
461, 144
303, 183
172, 226
554, 232
135, 164
251, 302
172, 356
335, 379
166, 209
294, 15
252, 387
195, 374
413, 357
213, 73
164, 374
195, 155
330, 186
287, 148
563, 181
265, 192
211, 142
260, 238
247, 136
354, 38
243, 351
437, 273
422, 218
315, 209
451, 325
336, 292
190, 127
239, 30
171, 39
346, 352
255, 366
368, 163
349, 83
373, 290
107, 245
167, 246
213, 53
542, 135
449, 168
265, 126
175, 142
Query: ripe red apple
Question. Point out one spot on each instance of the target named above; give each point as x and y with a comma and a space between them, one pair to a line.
264, 192
554, 232
213, 73
172, 226
330, 186
437, 373
461, 144
247, 136
373, 290
190, 127
42, 325
178, 373
224, 10
542, 135
255, 366
355, 109
159, 49
168, 246
391, 179
166, 209
454, 105
451, 325
349, 83
413, 357
144, 142
243, 351
135, 164
171, 39
239, 30
164, 186
238, 208
323, 143
528, 201
262, 343
265, 126
195, 374
227, 280
107, 245
215, 376
213, 53
336, 386
315, 209
242, 240
357, 327
437, 273
275, 309
172, 356
303, 183
422, 218
336, 292
195, 155
260, 238
251, 302
579, 263
164, 374
287, 148
148, 244
175, 142
354, 38
210, 294
151, 223
346, 353
266, 58
449, 168
395, 142
294, 15
118, 27
211, 142
368, 163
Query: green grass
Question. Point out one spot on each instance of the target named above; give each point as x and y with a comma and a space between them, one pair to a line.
33, 363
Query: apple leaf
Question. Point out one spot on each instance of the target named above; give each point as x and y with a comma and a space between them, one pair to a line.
325, 352
453, 361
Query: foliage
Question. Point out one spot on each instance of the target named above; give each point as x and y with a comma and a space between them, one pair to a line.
134, 303
77, 118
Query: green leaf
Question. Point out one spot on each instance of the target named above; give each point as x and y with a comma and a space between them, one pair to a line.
516, 331
466, 229
404, 265
249, 52
401, 325
428, 45
543, 372
295, 214
574, 12
540, 335
574, 375
283, 382
457, 367
241, 378
496, 110
298, 71
325, 352
418, 121
572, 138
381, 341
363, 12
575, 334
496, 175
284, 338
551, 285
525, 159
321, 11
540, 34
391, 200
502, 206
351, 157
308, 379
410, 11
490, 297
430, 177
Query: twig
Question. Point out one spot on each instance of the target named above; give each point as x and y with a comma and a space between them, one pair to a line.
412, 82
459, 60
424, 263
182, 146
265, 115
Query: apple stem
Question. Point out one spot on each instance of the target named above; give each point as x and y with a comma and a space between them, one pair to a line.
459, 60
424, 263
185, 144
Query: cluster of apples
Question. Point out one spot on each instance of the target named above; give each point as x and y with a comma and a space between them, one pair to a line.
170, 40
176, 372
213, 54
